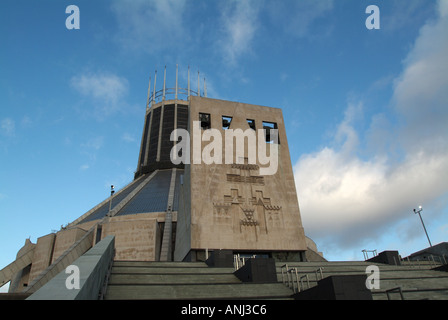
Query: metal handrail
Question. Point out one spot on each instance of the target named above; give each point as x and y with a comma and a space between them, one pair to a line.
103, 289
317, 271
294, 270
289, 281
160, 95
239, 262
301, 283
393, 290
286, 268
366, 255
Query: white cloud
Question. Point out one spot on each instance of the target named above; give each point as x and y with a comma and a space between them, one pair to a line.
444, 229
421, 94
94, 143
401, 15
106, 90
127, 137
8, 127
239, 23
355, 198
105, 87
26, 121
298, 18
150, 26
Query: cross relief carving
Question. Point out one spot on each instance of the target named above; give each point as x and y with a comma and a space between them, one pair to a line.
245, 206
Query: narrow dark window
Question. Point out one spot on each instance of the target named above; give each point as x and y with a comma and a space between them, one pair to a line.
205, 120
271, 136
99, 230
251, 123
226, 122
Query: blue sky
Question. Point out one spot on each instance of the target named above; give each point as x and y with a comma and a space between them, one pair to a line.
365, 110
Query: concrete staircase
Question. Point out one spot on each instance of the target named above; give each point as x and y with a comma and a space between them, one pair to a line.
184, 280
416, 280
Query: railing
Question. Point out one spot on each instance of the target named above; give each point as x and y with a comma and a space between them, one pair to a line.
103, 289
366, 253
442, 262
292, 274
431, 259
160, 95
301, 287
239, 262
397, 289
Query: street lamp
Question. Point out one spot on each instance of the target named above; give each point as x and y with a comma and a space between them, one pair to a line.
112, 191
418, 211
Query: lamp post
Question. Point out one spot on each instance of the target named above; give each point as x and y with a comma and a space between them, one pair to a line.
418, 211
112, 191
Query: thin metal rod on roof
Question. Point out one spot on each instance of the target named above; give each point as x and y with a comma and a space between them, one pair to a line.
149, 93
154, 91
205, 88
175, 97
164, 84
188, 83
199, 86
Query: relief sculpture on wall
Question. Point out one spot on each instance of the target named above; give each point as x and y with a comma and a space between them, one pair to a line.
245, 208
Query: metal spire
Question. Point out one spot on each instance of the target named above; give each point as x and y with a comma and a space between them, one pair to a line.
188, 83
154, 91
199, 86
164, 84
175, 97
149, 93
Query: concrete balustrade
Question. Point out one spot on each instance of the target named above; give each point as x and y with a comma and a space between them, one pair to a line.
93, 267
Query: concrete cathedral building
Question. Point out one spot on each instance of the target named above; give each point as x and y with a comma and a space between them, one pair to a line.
184, 211
214, 183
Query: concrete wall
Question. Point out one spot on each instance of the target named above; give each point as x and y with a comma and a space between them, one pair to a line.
183, 228
92, 266
43, 254
64, 239
18, 271
138, 236
75, 250
136, 240
232, 206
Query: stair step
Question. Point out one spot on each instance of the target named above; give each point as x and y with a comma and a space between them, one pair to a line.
412, 295
195, 280
413, 284
170, 270
206, 291
160, 264
385, 275
153, 279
